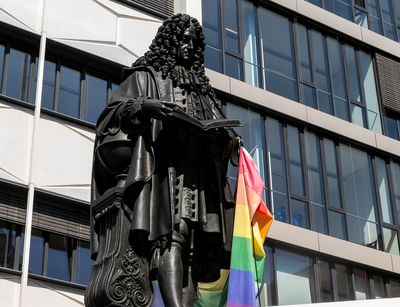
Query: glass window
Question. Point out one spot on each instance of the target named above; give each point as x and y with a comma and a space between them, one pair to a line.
390, 241
352, 73
379, 287
211, 23
233, 67
309, 97
321, 223
395, 172
300, 214
278, 50
333, 186
69, 97
388, 19
343, 282
305, 60
268, 290
314, 168
374, 16
361, 18
36, 252
362, 232
371, 97
58, 265
96, 97
83, 263
360, 284
213, 58
250, 54
383, 190
18, 74
325, 281
2, 50
394, 287
391, 127
49, 85
294, 277
295, 161
337, 225
281, 207
4, 235
231, 25
343, 8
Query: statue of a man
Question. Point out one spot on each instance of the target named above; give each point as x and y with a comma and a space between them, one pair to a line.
171, 170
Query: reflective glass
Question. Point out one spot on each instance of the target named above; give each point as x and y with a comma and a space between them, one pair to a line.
395, 172
383, 191
390, 241
391, 126
250, 53
352, 73
281, 85
96, 97
84, 263
305, 60
394, 287
4, 234
314, 168
300, 214
309, 96
337, 225
277, 41
343, 282
36, 252
295, 161
321, 223
337, 70
321, 61
49, 84
231, 25
211, 23
342, 108
11, 247
233, 67
374, 15
281, 207
294, 278
18, 74
343, 8
362, 232
361, 18
357, 183
268, 289
316, 2
325, 281
276, 155
357, 115
333, 191
325, 102
360, 284
379, 288
58, 265
69, 97
371, 96
213, 58
2, 50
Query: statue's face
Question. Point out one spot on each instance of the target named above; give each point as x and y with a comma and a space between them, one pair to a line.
185, 54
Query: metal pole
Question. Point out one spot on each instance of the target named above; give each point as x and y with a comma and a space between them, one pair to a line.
31, 191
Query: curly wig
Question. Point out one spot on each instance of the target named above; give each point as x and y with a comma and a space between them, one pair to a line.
162, 53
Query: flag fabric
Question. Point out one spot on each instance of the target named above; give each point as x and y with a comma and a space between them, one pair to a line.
251, 225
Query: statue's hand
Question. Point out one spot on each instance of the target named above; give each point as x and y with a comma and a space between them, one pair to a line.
157, 109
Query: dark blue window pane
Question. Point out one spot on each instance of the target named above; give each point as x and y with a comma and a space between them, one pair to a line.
300, 215
69, 92
333, 191
344, 283
305, 61
314, 169
212, 23
18, 74
36, 252
4, 235
11, 246
84, 263
326, 290
336, 64
358, 115
320, 53
281, 85
250, 50
337, 225
361, 18
329, 5
231, 26
321, 223
233, 67
2, 49
342, 108
58, 265
309, 96
352, 73
395, 172
96, 97
343, 8
295, 163
49, 84
277, 38
374, 15
362, 232
213, 59
384, 191
281, 206
316, 2
325, 102
392, 129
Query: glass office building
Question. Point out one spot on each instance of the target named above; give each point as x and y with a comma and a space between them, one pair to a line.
315, 85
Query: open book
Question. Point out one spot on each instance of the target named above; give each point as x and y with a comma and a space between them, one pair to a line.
178, 113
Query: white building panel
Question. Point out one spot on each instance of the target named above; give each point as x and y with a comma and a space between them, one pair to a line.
9, 290
25, 14
15, 127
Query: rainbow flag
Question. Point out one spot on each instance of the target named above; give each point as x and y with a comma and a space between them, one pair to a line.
251, 225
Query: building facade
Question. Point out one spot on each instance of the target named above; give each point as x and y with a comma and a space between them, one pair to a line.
315, 85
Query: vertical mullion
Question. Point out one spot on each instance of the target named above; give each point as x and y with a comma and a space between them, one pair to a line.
5, 68
341, 194
31, 77
239, 16
294, 25
286, 157
324, 177
378, 91
363, 99
334, 282
222, 20
378, 202
330, 75
57, 85
259, 50
343, 57
303, 160
17, 246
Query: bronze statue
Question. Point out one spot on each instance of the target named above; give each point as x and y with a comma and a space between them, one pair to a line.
162, 208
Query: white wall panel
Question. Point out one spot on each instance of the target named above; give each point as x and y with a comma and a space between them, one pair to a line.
63, 159
25, 14
9, 290
15, 127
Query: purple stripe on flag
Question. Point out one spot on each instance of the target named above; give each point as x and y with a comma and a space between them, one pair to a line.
230, 304
241, 288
